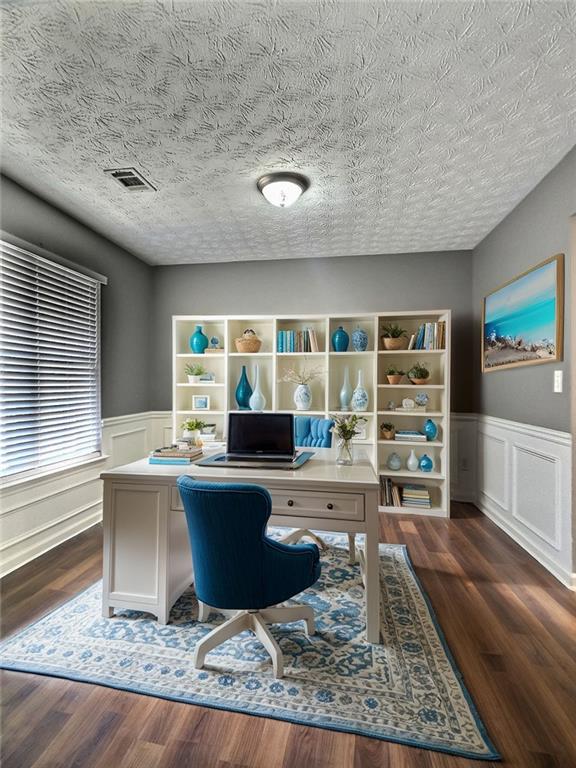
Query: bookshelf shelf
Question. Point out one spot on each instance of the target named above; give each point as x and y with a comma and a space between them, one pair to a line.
413, 413
421, 443
203, 384
394, 352
411, 386
433, 511
406, 473
316, 331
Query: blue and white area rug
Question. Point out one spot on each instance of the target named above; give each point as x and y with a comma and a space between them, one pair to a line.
406, 690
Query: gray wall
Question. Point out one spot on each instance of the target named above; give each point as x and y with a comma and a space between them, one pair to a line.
350, 284
537, 228
125, 300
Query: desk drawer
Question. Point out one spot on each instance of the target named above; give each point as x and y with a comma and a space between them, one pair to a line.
335, 506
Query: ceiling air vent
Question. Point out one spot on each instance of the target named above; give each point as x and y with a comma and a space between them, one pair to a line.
130, 179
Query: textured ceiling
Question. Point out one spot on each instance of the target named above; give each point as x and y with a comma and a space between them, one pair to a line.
419, 124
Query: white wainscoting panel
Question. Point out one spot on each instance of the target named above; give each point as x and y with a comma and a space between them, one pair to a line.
41, 513
524, 486
518, 475
463, 457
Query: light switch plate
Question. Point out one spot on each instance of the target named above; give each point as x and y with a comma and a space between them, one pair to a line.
557, 381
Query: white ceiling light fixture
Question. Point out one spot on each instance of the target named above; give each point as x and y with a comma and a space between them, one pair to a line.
282, 189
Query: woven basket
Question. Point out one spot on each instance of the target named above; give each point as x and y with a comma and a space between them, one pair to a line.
251, 344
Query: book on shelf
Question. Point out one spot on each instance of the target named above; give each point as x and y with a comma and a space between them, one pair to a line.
389, 492
297, 341
409, 434
430, 336
412, 341
416, 496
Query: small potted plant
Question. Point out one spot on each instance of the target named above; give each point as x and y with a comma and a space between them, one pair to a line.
418, 374
387, 430
394, 375
191, 429
194, 371
394, 337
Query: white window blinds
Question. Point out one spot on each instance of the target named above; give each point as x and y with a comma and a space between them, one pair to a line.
49, 363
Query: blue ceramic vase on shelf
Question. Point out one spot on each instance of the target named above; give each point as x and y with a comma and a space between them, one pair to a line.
243, 391
360, 396
346, 391
359, 340
340, 340
257, 401
430, 429
394, 462
302, 397
425, 464
198, 341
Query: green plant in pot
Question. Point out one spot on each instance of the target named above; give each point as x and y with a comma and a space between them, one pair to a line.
387, 430
191, 428
194, 371
394, 375
418, 374
394, 337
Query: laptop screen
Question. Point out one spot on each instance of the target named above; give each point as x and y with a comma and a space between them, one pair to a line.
261, 433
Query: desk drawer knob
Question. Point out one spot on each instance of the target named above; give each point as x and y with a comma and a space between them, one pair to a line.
329, 505
290, 503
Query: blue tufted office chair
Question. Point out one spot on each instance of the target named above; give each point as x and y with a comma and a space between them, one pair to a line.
312, 431
236, 566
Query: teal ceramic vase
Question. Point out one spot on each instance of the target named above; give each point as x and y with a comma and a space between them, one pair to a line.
243, 391
340, 340
430, 429
198, 341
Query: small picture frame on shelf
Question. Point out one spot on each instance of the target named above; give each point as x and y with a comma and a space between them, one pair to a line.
200, 402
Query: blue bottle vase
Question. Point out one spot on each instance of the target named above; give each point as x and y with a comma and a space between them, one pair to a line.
340, 340
430, 429
359, 396
346, 391
425, 464
359, 340
257, 401
198, 341
243, 391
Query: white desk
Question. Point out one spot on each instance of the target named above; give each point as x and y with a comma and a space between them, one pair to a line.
147, 558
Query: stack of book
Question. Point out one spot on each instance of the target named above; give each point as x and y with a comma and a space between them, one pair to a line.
416, 496
297, 341
389, 493
173, 455
409, 435
429, 336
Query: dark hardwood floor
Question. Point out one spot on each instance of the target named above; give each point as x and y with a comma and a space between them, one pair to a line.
511, 627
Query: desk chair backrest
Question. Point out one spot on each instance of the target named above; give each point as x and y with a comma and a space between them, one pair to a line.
313, 432
235, 564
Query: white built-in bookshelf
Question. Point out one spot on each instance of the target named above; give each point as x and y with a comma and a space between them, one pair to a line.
226, 365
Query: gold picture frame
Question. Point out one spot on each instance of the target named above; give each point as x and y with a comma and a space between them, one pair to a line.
533, 301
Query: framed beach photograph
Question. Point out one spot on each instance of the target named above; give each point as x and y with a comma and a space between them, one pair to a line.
523, 320
200, 402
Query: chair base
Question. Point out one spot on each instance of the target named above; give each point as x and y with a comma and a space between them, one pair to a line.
300, 533
255, 621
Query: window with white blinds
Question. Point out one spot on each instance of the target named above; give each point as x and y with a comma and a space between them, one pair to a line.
49, 363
